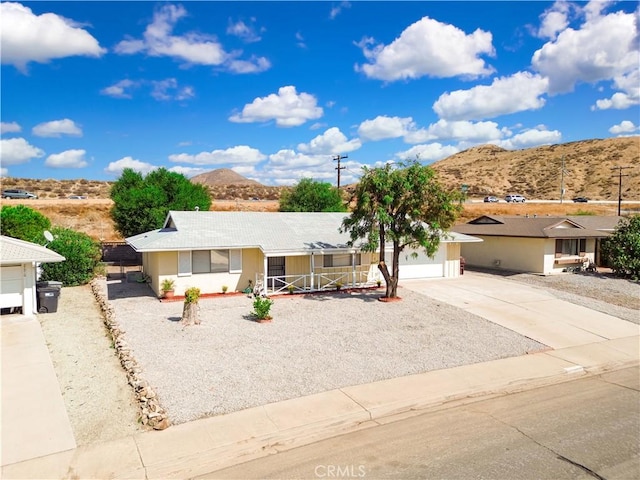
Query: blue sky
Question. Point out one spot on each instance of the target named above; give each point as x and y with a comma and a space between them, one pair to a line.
276, 90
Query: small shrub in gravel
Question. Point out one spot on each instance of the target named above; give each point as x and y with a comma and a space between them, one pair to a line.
262, 307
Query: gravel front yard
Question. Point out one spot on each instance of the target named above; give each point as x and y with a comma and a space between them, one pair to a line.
316, 343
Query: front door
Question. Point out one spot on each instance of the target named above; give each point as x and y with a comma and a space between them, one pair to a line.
275, 269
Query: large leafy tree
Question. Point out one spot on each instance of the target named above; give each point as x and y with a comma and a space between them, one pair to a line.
622, 249
141, 203
404, 206
24, 223
312, 196
82, 255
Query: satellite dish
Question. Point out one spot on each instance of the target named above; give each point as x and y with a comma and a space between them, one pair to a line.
48, 236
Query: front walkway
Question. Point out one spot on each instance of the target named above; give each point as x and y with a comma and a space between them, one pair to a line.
34, 417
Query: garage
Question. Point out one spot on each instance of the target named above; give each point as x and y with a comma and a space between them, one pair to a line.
416, 264
11, 286
18, 265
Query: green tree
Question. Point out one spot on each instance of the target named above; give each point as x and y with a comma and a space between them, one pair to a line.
312, 196
141, 203
622, 249
404, 206
82, 255
24, 223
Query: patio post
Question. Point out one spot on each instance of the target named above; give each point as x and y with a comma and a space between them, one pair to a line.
313, 269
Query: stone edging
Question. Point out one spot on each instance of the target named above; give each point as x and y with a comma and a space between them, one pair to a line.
151, 413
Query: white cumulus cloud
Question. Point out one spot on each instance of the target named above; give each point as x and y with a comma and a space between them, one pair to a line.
57, 128
627, 96
67, 159
624, 127
383, 127
428, 48
10, 127
193, 48
237, 155
534, 137
121, 89
428, 153
554, 19
604, 47
331, 142
247, 33
26, 37
287, 107
118, 166
519, 92
14, 151
458, 130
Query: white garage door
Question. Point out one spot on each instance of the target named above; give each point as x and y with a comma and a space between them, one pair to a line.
11, 287
422, 266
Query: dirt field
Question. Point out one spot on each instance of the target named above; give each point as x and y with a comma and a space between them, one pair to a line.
91, 216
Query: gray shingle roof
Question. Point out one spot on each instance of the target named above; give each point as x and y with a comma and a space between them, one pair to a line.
272, 232
13, 251
539, 227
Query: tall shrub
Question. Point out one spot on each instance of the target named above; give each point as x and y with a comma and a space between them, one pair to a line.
24, 223
82, 255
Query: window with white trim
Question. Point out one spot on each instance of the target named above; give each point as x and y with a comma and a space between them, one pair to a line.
340, 260
209, 261
570, 246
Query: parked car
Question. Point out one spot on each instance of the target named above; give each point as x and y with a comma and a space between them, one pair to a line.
580, 200
77, 197
18, 194
490, 199
514, 199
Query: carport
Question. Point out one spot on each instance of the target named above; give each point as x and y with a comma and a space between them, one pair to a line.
18, 269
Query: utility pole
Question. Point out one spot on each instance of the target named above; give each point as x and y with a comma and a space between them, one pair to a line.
620, 175
562, 172
337, 158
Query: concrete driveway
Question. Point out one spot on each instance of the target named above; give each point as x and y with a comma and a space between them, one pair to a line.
531, 311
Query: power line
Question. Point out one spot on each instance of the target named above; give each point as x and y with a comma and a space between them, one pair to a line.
337, 158
620, 175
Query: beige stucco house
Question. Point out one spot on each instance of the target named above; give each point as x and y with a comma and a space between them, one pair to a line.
18, 270
535, 244
272, 251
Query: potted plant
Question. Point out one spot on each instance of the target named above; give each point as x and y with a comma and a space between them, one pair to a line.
224, 288
291, 288
168, 285
339, 286
378, 283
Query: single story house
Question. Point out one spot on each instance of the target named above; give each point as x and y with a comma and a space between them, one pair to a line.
273, 252
535, 244
18, 273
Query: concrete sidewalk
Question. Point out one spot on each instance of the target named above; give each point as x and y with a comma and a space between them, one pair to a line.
34, 416
584, 343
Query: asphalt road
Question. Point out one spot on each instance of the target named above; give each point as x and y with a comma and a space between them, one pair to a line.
585, 429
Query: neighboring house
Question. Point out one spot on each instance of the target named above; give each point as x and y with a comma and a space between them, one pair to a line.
18, 269
272, 251
535, 244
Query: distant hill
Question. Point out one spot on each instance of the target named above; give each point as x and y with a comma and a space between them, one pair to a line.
223, 176
589, 165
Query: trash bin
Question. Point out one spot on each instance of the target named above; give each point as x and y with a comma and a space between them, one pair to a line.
48, 299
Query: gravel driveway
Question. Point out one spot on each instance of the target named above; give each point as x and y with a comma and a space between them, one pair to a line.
315, 343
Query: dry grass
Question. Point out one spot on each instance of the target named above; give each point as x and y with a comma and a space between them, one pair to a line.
92, 216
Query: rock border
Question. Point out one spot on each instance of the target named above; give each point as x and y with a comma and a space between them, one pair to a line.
151, 413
